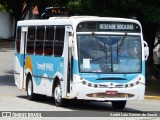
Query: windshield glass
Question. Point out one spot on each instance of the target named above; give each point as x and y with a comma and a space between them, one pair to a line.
109, 53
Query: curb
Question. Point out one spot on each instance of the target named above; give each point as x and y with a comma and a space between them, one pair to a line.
152, 97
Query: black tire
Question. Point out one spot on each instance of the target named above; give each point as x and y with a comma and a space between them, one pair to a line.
119, 104
59, 101
30, 94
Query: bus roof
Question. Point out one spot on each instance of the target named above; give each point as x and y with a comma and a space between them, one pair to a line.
72, 20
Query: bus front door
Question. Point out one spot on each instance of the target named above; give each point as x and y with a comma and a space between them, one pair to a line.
67, 61
20, 83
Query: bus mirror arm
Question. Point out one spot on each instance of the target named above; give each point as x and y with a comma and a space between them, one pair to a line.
146, 50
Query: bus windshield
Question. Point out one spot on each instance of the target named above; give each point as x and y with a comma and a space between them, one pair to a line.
109, 53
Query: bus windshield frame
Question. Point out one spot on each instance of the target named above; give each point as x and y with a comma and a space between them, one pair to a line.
109, 53
109, 47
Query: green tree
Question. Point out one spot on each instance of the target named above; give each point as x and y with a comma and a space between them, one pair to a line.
79, 7
18, 8
146, 11
3, 8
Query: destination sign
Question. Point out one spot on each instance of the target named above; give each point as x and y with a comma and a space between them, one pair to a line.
116, 26
108, 27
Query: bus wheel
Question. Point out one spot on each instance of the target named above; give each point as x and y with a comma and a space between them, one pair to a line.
30, 94
118, 104
58, 95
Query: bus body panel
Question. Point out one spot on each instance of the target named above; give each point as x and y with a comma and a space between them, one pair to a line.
126, 85
81, 85
99, 94
18, 70
44, 70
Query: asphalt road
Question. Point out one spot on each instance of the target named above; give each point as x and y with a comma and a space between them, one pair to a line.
12, 99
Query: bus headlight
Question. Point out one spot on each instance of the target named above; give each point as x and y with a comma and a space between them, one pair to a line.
95, 85
126, 85
137, 82
83, 82
132, 84
89, 84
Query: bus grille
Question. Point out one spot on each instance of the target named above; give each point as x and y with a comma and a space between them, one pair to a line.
104, 95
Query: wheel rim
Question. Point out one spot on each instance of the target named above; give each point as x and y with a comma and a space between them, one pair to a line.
29, 88
58, 93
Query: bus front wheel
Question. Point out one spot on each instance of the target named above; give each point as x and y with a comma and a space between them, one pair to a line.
30, 94
119, 104
58, 95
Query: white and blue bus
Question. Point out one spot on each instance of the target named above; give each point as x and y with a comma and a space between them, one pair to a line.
81, 57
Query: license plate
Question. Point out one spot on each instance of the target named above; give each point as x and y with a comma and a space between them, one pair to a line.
111, 92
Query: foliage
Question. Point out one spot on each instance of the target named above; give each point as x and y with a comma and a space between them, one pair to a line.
82, 7
146, 11
152, 85
18, 8
60, 3
3, 8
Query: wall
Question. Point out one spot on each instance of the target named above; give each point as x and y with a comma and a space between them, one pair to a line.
7, 24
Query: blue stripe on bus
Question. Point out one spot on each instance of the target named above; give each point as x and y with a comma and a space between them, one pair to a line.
121, 78
43, 67
47, 67
55, 64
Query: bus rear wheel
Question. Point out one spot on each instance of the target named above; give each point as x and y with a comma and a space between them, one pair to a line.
58, 95
30, 94
119, 104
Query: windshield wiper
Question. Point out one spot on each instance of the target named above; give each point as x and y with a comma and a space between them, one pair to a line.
103, 47
100, 43
122, 41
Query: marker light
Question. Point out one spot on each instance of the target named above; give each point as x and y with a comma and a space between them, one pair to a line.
137, 82
89, 84
83, 82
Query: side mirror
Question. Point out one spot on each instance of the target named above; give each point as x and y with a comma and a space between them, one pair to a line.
146, 50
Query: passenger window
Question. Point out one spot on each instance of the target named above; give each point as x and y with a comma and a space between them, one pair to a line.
48, 47
31, 40
39, 40
59, 40
18, 39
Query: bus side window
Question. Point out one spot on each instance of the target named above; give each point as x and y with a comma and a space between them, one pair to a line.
31, 40
39, 40
59, 40
48, 47
18, 40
